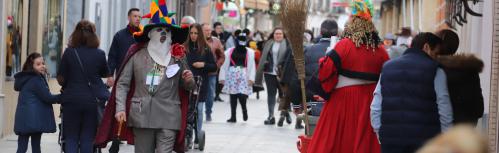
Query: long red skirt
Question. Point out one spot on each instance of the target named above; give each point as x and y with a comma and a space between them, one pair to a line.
344, 125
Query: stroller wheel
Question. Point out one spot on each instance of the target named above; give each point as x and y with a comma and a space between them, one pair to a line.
202, 140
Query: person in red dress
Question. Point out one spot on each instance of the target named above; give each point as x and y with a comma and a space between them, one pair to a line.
349, 74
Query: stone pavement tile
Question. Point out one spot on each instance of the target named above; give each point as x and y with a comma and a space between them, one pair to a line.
221, 137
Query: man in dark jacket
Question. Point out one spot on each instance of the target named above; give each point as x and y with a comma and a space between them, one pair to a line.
313, 53
463, 79
122, 40
407, 111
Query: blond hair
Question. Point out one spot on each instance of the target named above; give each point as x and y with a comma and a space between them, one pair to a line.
459, 139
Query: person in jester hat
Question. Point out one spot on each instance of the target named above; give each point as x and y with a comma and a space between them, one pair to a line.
349, 74
149, 95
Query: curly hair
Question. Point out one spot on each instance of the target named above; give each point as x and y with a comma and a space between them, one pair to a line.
362, 32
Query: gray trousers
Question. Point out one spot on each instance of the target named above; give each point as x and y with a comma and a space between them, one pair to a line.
154, 140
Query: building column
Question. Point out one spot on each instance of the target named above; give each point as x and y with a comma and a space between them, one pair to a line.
494, 80
73, 15
3, 34
36, 26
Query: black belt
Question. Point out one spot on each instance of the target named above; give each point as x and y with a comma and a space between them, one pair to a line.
349, 73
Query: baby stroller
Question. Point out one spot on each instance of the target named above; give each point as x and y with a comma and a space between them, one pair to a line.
60, 140
192, 119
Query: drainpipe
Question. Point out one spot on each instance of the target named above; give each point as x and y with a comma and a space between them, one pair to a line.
83, 10
403, 13
420, 15
411, 9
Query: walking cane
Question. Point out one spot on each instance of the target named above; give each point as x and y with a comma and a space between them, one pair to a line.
115, 146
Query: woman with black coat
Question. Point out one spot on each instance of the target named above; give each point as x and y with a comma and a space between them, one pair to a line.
201, 62
463, 79
83, 65
269, 68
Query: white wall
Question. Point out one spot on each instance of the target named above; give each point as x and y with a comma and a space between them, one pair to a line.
476, 38
486, 47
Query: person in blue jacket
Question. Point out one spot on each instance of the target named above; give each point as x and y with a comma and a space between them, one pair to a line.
34, 112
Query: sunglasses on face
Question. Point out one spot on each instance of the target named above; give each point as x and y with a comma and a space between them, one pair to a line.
162, 29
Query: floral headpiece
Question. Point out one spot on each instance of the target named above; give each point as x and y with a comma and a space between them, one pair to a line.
362, 8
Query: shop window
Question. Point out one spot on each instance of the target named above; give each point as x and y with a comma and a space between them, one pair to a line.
14, 37
52, 35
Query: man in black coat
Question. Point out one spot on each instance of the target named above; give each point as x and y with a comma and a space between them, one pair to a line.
313, 53
122, 40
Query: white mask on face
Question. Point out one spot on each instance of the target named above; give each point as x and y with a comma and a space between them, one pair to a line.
159, 51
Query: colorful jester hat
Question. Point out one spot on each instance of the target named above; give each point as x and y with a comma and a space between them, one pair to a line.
363, 9
160, 17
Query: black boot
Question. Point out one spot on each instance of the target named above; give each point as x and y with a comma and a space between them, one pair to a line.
269, 121
288, 117
245, 115
298, 124
233, 106
232, 120
281, 119
219, 99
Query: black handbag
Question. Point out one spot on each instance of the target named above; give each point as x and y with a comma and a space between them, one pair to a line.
100, 100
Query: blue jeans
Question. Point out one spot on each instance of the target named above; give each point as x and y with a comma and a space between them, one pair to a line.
210, 94
22, 143
79, 126
199, 126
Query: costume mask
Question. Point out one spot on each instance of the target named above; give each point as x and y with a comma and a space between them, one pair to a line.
159, 45
242, 39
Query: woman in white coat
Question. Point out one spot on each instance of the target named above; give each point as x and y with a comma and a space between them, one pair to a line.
237, 74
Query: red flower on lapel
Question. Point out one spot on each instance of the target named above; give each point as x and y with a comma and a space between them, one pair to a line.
178, 51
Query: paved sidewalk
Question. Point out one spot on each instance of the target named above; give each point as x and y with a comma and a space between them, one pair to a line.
221, 137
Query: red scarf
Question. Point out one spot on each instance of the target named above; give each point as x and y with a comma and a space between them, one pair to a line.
132, 29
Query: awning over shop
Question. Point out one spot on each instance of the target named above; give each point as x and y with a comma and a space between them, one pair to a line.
257, 4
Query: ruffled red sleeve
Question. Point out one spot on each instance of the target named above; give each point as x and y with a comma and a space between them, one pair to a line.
328, 74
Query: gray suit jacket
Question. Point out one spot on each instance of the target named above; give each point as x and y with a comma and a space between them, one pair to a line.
159, 110
266, 60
